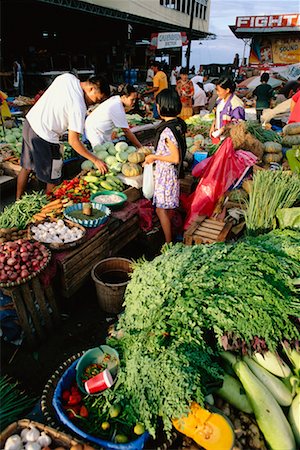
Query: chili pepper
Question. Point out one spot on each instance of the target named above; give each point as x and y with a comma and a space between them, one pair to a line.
66, 395
83, 411
74, 399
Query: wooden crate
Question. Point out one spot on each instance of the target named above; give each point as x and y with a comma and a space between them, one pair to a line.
133, 194
205, 230
187, 184
75, 268
121, 233
36, 308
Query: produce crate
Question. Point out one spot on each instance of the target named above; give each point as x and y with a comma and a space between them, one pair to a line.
121, 233
205, 230
187, 184
133, 194
36, 308
75, 268
59, 439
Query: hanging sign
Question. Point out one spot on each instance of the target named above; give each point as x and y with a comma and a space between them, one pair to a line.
168, 40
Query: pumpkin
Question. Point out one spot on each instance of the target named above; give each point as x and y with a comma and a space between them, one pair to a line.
289, 141
272, 147
136, 157
209, 430
145, 150
291, 128
131, 170
272, 157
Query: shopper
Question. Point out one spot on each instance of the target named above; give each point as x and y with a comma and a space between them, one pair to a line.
229, 109
111, 114
170, 148
160, 82
18, 76
61, 108
173, 78
263, 93
199, 99
185, 89
149, 77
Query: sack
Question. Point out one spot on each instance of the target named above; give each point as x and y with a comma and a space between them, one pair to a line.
148, 181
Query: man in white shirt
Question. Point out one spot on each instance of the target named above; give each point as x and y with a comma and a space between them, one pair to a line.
197, 79
199, 98
61, 108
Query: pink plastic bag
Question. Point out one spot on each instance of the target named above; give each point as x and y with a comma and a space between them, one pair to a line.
217, 174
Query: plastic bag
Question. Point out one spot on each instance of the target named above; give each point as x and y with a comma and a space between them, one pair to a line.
148, 181
289, 218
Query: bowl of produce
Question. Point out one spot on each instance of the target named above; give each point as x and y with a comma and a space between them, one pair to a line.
21, 260
94, 361
112, 199
113, 426
99, 214
57, 234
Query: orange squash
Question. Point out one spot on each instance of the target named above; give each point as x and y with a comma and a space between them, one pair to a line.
210, 430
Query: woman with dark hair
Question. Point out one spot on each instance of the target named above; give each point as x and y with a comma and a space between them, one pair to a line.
170, 149
111, 114
229, 109
263, 93
185, 89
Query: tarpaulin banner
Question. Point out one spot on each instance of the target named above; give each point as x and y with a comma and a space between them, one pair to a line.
275, 51
289, 72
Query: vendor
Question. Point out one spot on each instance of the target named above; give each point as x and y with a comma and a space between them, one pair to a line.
230, 108
61, 108
160, 82
112, 114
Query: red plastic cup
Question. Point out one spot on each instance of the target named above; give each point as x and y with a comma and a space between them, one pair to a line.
99, 382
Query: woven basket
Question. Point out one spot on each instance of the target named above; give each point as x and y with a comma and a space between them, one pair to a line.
47, 394
59, 439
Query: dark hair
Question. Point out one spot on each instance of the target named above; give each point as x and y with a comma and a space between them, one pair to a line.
126, 89
169, 103
184, 71
155, 64
292, 85
200, 84
264, 77
101, 83
226, 83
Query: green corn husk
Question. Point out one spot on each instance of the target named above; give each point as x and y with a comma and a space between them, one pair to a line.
271, 191
14, 401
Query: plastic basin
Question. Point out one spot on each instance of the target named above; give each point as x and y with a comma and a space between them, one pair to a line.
114, 206
89, 223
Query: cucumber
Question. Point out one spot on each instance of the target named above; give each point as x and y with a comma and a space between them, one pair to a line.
233, 392
106, 185
294, 418
269, 415
272, 362
277, 388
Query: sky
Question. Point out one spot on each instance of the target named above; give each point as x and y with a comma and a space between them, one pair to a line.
223, 13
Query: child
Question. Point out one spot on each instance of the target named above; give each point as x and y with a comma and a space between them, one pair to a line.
170, 148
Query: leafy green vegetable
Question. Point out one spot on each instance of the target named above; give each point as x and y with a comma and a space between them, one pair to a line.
19, 213
261, 133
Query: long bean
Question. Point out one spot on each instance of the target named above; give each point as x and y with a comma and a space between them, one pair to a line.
20, 212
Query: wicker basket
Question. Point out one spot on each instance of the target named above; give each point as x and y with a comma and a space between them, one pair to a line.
59, 247
59, 439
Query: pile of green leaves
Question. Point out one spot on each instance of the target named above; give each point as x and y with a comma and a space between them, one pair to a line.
186, 305
262, 134
271, 191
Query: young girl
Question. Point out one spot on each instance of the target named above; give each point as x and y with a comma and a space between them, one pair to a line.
170, 148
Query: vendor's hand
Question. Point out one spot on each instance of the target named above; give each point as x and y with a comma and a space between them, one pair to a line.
101, 166
211, 131
149, 159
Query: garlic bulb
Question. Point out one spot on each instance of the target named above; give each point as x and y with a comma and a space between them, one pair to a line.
32, 446
33, 434
24, 434
44, 440
14, 442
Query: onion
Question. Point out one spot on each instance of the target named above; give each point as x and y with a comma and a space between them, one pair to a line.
24, 273
11, 261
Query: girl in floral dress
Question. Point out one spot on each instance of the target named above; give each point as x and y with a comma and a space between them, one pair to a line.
170, 148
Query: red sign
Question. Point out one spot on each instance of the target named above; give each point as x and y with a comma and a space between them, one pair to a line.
280, 21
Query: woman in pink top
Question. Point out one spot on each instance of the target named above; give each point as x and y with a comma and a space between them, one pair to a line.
295, 108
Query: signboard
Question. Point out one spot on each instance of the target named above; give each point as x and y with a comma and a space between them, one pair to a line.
281, 22
290, 72
168, 40
275, 51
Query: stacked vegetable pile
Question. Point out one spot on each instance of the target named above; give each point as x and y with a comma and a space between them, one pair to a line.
291, 134
188, 304
12, 137
199, 124
20, 213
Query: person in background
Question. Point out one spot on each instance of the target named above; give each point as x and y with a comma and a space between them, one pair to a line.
4, 108
173, 78
149, 77
61, 108
263, 93
197, 79
287, 91
199, 98
18, 76
112, 114
185, 89
295, 108
170, 148
230, 108
160, 82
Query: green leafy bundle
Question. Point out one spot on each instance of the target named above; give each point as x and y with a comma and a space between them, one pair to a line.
186, 305
19, 213
262, 134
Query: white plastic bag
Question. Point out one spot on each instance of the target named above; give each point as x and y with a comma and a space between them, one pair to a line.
148, 181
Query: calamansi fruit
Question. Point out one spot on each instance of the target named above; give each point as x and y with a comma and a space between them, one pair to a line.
139, 429
114, 410
105, 426
121, 439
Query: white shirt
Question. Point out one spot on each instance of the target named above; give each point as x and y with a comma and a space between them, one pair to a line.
209, 87
173, 78
197, 79
62, 107
100, 123
199, 96
150, 75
